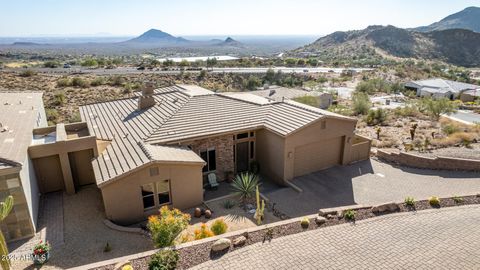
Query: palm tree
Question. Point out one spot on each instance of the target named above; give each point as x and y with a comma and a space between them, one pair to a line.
5, 208
244, 185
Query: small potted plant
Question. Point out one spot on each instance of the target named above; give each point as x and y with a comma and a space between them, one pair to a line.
41, 253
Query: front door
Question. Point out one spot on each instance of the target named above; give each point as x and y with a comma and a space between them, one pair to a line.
241, 157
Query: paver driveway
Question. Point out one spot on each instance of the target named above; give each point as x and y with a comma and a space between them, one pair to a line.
433, 239
370, 182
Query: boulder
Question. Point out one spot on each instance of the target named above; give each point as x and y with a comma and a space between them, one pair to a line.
208, 214
385, 207
197, 213
320, 220
239, 241
326, 212
221, 244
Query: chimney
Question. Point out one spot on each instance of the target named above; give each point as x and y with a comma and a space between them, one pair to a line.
146, 100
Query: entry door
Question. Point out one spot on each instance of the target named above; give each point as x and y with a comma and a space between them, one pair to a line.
242, 157
49, 173
81, 167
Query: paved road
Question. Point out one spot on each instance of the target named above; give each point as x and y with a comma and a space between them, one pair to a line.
127, 70
466, 116
433, 239
370, 182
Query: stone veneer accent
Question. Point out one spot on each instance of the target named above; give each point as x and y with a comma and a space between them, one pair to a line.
437, 163
223, 146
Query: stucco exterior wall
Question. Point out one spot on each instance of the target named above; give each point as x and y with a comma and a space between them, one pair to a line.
30, 188
317, 132
270, 154
223, 146
123, 199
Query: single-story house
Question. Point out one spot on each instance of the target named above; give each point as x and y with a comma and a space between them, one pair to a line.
441, 88
158, 147
278, 93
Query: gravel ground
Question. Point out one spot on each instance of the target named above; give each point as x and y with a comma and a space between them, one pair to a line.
456, 152
86, 235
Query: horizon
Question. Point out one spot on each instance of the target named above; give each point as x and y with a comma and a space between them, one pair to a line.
251, 18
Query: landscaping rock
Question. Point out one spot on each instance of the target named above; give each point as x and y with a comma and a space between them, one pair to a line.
120, 265
197, 213
330, 216
208, 214
239, 241
386, 207
326, 212
221, 244
320, 220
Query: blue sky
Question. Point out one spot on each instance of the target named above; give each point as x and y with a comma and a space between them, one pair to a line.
215, 17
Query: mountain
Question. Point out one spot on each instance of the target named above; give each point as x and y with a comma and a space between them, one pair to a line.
454, 46
231, 42
154, 36
468, 18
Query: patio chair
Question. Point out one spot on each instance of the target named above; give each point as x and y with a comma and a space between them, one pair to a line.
212, 180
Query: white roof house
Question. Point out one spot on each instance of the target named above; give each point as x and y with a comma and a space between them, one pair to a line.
440, 88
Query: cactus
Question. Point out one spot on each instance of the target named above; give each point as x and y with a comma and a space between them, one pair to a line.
260, 208
413, 129
5, 208
379, 130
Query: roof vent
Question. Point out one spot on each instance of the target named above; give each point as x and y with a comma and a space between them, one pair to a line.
146, 100
272, 92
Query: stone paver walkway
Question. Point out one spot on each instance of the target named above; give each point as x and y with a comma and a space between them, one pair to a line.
433, 239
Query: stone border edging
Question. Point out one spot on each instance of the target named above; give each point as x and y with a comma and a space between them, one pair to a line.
258, 229
119, 228
422, 162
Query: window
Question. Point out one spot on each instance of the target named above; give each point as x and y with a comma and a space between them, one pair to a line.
209, 157
163, 191
148, 196
156, 194
252, 134
242, 135
153, 171
252, 149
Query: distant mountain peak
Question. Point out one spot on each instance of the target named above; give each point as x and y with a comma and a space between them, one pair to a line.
231, 42
469, 19
157, 36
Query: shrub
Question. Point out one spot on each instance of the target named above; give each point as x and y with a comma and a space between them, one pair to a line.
203, 232
450, 128
98, 81
107, 247
349, 214
28, 73
167, 226
164, 260
52, 115
117, 81
436, 107
244, 185
458, 199
228, 204
89, 62
51, 64
434, 201
361, 103
64, 82
219, 227
409, 201
59, 98
305, 223
253, 82
376, 117
79, 82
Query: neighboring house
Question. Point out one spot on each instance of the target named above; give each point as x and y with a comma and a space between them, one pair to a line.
440, 88
157, 148
276, 93
20, 114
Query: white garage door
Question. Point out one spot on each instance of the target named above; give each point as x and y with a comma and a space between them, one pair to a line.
317, 156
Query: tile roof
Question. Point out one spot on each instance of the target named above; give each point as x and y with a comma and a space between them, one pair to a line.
179, 115
21, 112
443, 86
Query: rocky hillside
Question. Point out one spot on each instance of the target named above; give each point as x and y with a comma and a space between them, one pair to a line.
454, 46
468, 19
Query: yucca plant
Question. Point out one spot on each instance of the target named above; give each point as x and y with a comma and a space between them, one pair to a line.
244, 185
5, 208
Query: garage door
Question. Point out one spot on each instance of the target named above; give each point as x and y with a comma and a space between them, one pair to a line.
49, 173
317, 156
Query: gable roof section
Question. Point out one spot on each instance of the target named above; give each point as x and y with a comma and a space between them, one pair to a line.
442, 86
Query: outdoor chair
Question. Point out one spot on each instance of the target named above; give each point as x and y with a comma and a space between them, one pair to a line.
212, 180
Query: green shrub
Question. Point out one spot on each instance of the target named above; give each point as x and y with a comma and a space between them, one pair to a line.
59, 98
305, 223
167, 226
164, 260
28, 73
219, 227
376, 117
98, 81
116, 81
349, 214
434, 201
458, 199
107, 247
52, 115
203, 232
244, 185
436, 107
64, 82
79, 82
409, 201
450, 128
228, 204
51, 64
361, 103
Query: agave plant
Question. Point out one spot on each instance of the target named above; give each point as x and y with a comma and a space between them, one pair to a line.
5, 208
244, 185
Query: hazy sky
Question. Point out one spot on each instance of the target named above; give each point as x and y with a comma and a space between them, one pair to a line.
215, 17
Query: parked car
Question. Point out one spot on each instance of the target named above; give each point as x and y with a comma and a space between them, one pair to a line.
66, 65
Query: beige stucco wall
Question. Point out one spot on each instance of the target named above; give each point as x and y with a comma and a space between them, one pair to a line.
270, 152
123, 200
313, 133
